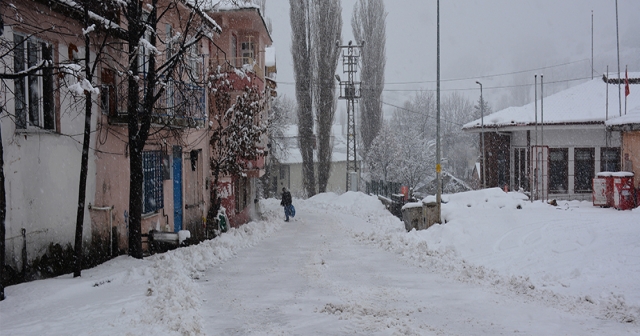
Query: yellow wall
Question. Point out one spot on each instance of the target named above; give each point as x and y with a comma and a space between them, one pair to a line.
631, 146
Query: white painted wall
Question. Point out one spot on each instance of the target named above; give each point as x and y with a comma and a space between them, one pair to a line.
337, 180
42, 171
571, 137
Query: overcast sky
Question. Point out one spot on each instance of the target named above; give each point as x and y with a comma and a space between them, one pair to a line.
483, 39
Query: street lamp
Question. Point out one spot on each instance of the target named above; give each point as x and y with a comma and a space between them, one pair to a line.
484, 179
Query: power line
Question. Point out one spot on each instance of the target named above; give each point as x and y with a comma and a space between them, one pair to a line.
487, 88
471, 78
416, 112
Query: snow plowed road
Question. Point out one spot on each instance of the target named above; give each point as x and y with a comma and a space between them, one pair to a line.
314, 278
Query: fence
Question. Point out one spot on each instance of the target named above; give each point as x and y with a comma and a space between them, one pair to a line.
382, 188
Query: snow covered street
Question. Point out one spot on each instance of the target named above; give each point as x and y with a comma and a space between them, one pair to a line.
346, 266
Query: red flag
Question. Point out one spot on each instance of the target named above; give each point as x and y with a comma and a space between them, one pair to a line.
626, 83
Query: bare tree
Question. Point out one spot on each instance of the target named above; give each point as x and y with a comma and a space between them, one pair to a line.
369, 25
458, 147
327, 27
301, 50
85, 85
144, 90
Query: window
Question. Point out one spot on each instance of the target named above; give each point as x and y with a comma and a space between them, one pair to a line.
247, 53
169, 37
108, 93
283, 172
584, 169
144, 52
610, 159
234, 50
558, 170
241, 193
195, 60
152, 189
520, 163
34, 104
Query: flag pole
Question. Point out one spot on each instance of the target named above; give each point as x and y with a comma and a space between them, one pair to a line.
618, 48
626, 87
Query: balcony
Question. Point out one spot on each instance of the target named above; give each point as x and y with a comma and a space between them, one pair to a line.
255, 168
254, 73
181, 105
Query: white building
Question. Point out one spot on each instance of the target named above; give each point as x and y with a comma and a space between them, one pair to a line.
42, 125
557, 156
288, 171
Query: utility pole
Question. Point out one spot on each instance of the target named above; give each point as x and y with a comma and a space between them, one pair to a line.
484, 170
618, 49
438, 154
350, 91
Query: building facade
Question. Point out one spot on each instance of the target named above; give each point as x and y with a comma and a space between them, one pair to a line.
43, 122
556, 152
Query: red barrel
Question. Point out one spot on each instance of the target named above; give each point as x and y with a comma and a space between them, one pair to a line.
623, 191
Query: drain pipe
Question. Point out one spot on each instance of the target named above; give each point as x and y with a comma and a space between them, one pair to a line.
110, 209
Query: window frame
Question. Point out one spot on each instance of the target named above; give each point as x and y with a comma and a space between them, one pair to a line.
558, 171
606, 163
580, 166
234, 49
152, 182
248, 53
33, 110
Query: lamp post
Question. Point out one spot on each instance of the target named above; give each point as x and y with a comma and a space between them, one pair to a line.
484, 179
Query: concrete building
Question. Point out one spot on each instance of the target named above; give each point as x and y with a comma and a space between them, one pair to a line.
558, 156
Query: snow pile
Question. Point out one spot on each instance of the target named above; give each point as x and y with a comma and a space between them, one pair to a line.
126, 296
179, 306
573, 256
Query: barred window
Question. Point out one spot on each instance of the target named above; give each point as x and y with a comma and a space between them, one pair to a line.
610, 159
558, 170
153, 196
584, 169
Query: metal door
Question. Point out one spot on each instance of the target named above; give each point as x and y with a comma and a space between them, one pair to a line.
177, 188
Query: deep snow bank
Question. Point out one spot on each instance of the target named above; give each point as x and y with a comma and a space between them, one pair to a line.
572, 256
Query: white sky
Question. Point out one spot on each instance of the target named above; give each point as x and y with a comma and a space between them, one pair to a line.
483, 38
345, 265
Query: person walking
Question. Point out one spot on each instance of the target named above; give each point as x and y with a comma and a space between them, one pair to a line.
287, 204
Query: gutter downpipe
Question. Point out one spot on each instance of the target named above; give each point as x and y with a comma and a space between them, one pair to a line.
110, 209
542, 137
535, 177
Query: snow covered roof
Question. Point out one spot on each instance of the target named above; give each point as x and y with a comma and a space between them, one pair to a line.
632, 116
225, 5
234, 6
585, 103
270, 56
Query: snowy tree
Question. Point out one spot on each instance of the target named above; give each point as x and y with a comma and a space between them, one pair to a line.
235, 131
384, 154
327, 26
369, 25
302, 53
458, 147
415, 124
416, 155
281, 111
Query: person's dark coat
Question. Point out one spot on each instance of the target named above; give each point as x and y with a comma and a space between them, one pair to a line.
286, 198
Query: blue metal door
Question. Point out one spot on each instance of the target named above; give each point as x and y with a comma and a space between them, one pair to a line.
177, 188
